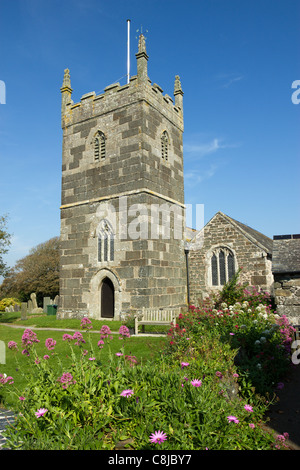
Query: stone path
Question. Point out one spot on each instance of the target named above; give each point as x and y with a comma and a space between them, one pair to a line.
6, 417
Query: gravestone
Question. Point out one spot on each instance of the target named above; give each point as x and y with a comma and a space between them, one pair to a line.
29, 306
24, 311
56, 300
33, 300
2, 352
46, 301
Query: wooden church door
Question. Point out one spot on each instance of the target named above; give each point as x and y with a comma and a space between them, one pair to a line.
107, 299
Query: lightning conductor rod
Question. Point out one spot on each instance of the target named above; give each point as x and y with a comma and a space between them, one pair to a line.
128, 50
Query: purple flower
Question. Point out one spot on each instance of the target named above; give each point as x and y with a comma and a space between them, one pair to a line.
67, 337
232, 419
158, 437
29, 337
184, 364
126, 393
196, 383
105, 331
12, 345
79, 338
248, 408
86, 323
41, 412
50, 343
124, 332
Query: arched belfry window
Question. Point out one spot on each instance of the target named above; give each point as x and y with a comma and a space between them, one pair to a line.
106, 241
99, 146
164, 145
222, 266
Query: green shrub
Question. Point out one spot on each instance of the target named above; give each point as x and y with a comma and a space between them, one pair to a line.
7, 302
190, 392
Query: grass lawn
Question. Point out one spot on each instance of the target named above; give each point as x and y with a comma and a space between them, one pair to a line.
144, 348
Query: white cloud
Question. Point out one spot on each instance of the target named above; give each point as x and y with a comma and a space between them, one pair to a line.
227, 79
201, 149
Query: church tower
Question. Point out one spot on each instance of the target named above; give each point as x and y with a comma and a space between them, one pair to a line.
122, 207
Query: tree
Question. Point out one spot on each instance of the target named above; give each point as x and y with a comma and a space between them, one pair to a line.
37, 272
4, 243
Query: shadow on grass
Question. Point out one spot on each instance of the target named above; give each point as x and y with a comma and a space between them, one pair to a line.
9, 317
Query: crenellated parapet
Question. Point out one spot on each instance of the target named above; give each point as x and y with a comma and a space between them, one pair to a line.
140, 88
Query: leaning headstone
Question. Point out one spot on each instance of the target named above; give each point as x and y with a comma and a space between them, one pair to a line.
7, 309
16, 308
24, 311
11, 308
33, 300
29, 306
46, 301
56, 300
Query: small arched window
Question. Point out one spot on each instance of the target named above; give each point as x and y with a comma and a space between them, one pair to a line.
164, 145
106, 241
99, 146
222, 266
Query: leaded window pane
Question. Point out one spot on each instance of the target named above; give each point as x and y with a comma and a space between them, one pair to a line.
230, 264
99, 248
214, 270
105, 249
222, 268
112, 248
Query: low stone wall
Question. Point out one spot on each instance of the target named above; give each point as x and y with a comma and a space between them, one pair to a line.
287, 295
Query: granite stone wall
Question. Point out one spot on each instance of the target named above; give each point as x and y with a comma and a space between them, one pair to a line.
252, 258
146, 271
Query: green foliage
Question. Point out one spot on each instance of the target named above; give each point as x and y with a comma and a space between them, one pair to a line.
7, 302
192, 390
5, 241
37, 272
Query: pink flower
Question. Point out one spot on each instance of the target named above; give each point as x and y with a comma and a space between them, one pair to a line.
4, 379
251, 425
124, 332
232, 418
21, 398
66, 379
92, 358
41, 412
12, 345
29, 337
184, 364
79, 338
119, 354
196, 383
50, 343
100, 343
126, 393
158, 437
105, 331
67, 337
86, 323
248, 408
46, 357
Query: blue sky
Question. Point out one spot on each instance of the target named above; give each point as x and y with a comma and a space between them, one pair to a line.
237, 60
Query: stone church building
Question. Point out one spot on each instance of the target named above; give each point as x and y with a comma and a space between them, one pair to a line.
223, 247
123, 237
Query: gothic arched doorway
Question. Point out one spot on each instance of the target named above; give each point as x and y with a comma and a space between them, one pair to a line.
107, 296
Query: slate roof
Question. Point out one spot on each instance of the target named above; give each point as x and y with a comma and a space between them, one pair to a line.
286, 254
